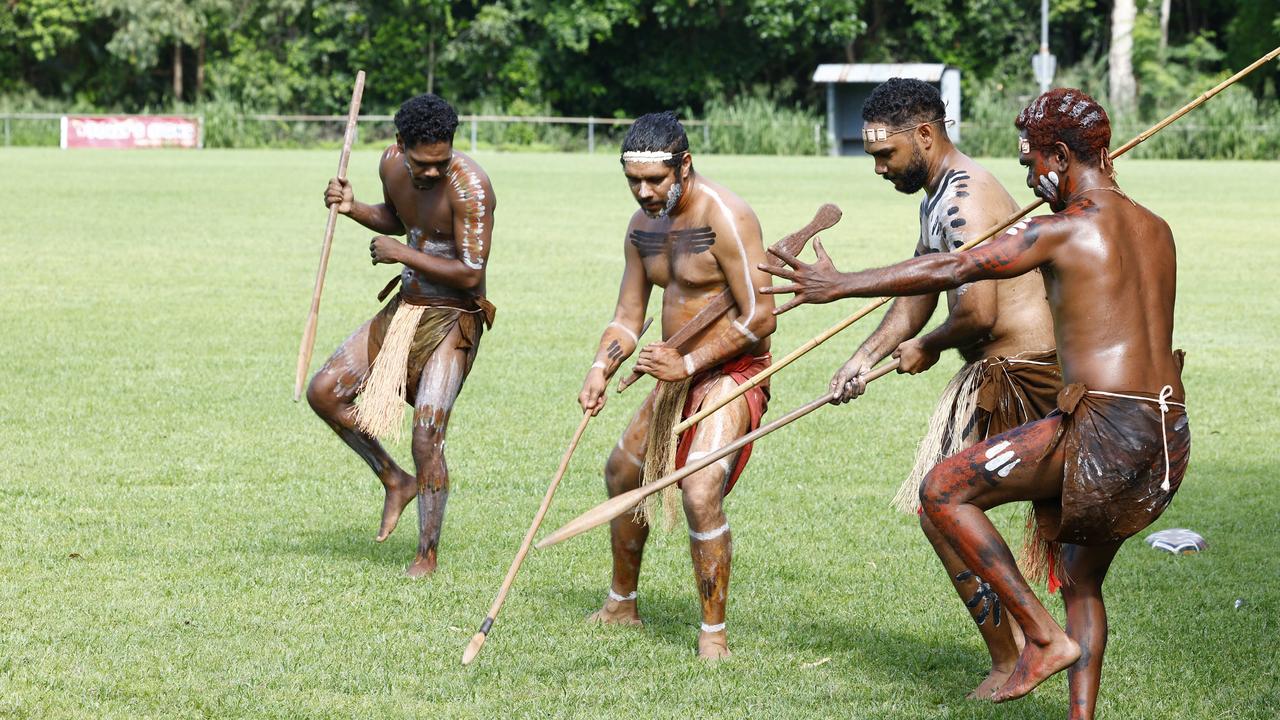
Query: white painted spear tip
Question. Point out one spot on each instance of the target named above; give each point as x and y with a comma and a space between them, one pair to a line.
473, 648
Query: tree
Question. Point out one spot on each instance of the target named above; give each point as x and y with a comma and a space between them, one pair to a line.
1122, 90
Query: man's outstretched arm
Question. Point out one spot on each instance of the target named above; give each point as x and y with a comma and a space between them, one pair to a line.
1018, 250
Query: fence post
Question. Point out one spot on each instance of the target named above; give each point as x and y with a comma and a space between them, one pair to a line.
817, 138
473, 134
6, 131
706, 136
591, 134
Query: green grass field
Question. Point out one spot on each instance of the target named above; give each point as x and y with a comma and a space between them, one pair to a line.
179, 539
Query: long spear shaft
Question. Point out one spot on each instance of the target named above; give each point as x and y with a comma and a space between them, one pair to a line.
477, 640
872, 305
619, 504
313, 317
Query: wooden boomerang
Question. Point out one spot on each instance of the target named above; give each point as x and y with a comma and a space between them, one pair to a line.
615, 506
827, 216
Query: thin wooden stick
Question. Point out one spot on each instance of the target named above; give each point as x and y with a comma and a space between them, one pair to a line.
627, 501
869, 307
309, 331
826, 218
477, 640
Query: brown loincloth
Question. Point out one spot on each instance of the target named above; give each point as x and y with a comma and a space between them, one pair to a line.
984, 399
1114, 474
437, 321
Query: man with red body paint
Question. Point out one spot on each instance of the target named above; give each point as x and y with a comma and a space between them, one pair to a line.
1108, 462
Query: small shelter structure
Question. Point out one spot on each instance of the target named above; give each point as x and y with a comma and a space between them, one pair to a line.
848, 86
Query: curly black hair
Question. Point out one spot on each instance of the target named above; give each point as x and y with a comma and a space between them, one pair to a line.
426, 119
657, 132
900, 102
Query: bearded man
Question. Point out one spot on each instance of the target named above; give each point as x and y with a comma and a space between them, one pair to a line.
1001, 328
694, 238
1108, 461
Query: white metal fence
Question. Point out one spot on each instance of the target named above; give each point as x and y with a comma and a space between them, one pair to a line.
42, 128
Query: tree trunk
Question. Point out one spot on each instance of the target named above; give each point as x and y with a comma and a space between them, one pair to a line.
1123, 88
431, 62
1164, 24
177, 71
200, 68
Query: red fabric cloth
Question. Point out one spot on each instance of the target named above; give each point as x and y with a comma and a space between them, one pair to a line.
741, 368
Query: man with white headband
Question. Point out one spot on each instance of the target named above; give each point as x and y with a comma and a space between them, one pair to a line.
1002, 328
694, 238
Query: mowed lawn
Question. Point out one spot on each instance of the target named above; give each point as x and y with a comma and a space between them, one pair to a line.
180, 539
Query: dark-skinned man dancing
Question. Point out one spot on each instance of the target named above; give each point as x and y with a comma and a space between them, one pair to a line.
444, 202
1002, 328
1108, 462
693, 238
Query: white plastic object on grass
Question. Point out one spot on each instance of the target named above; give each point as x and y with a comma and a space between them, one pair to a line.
1178, 541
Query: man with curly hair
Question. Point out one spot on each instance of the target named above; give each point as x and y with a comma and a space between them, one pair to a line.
443, 201
694, 238
1001, 328
1108, 461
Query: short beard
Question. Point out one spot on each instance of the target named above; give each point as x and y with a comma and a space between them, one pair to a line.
914, 177
673, 197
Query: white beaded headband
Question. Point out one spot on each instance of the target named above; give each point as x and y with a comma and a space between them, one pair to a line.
870, 135
648, 156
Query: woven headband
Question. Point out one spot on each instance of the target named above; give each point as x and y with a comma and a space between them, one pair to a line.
870, 135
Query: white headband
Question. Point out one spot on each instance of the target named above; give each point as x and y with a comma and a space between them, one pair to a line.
645, 156
870, 135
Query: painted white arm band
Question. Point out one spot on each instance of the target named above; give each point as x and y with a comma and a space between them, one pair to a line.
745, 331
630, 333
688, 364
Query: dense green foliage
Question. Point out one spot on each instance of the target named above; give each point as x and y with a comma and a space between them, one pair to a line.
606, 58
183, 541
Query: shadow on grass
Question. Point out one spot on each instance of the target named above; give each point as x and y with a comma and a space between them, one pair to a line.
942, 672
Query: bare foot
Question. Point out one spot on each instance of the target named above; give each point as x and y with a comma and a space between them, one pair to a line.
993, 681
401, 489
1035, 664
713, 646
422, 566
617, 612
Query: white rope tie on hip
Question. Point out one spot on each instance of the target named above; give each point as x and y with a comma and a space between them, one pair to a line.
1164, 402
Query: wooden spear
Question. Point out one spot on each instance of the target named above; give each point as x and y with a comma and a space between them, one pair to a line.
872, 305
627, 501
477, 640
827, 216
309, 331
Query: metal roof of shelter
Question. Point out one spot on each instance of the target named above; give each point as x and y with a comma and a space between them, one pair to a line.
877, 72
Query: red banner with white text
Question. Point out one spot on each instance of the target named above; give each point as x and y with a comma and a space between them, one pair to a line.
131, 131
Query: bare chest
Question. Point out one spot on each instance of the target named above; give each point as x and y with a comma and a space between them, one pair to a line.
680, 255
427, 212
